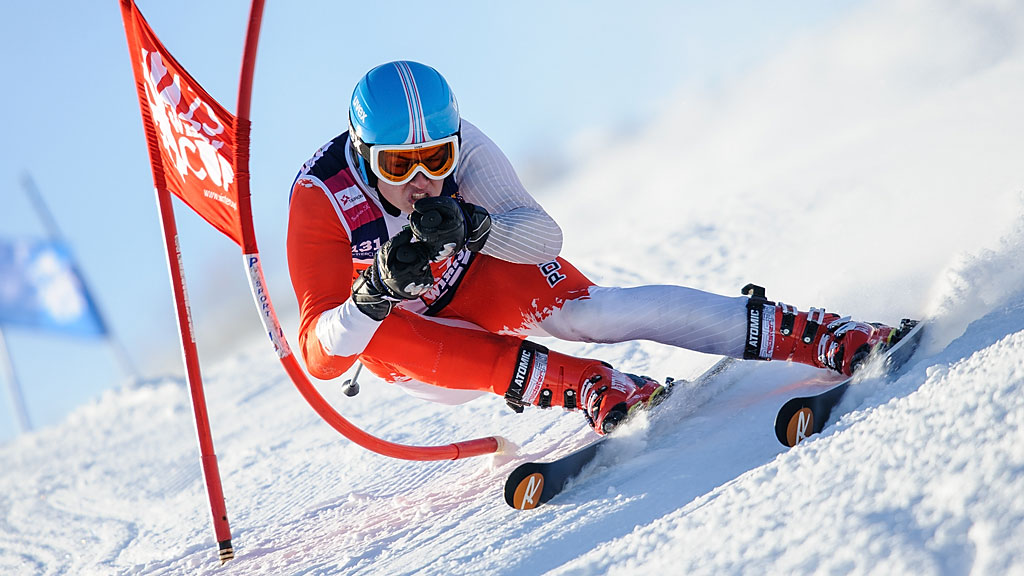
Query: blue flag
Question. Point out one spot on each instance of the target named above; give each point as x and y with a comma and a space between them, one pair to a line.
40, 288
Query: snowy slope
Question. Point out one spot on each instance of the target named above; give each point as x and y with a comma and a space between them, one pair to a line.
880, 185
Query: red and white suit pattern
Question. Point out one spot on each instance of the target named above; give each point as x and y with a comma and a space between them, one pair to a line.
463, 336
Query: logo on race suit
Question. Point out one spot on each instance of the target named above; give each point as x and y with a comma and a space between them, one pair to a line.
449, 275
349, 198
801, 425
316, 156
195, 140
365, 249
367, 226
550, 270
527, 494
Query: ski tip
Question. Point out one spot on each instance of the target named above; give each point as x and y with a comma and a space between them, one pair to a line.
526, 495
799, 427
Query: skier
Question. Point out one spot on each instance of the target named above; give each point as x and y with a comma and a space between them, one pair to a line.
414, 248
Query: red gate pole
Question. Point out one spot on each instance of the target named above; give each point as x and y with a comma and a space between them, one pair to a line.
208, 458
257, 284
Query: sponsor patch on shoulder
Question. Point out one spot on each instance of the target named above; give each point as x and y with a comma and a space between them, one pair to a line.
349, 197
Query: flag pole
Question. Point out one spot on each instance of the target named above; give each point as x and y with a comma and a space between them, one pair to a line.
17, 400
54, 232
208, 458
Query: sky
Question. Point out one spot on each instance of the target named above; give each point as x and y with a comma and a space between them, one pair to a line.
548, 81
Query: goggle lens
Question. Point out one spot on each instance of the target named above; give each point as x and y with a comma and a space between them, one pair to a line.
398, 165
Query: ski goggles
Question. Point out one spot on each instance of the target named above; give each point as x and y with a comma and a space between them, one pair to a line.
399, 163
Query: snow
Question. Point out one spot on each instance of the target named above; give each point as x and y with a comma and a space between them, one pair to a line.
881, 184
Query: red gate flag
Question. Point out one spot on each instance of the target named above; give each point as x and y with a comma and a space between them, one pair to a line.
196, 135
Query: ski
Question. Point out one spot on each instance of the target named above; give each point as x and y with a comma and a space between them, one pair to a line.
534, 483
801, 417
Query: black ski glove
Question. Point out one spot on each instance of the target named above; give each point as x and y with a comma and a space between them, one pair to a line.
447, 225
400, 271
478, 225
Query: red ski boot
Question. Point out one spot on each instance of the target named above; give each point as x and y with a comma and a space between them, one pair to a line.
606, 396
781, 332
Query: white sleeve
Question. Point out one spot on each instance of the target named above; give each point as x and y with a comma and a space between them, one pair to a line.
521, 231
344, 330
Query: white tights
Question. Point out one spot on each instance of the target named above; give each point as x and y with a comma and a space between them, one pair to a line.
673, 315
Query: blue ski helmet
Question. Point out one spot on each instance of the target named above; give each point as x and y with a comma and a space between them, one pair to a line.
400, 102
